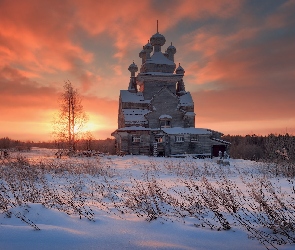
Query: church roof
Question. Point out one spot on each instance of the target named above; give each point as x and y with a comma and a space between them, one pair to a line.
133, 128
165, 117
190, 113
191, 130
132, 116
179, 70
157, 74
186, 100
127, 96
159, 58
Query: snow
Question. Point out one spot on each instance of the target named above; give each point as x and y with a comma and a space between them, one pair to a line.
109, 180
186, 100
139, 128
171, 47
190, 113
135, 115
158, 74
135, 111
159, 58
222, 141
165, 117
157, 35
127, 96
191, 130
179, 68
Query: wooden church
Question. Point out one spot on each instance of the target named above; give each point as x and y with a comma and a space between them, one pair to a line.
156, 113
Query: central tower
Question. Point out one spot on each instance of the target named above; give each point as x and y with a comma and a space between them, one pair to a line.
158, 69
156, 114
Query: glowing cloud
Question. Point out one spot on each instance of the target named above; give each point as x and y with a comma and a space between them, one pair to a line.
238, 56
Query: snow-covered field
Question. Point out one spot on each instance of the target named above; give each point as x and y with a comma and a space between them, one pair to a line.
139, 202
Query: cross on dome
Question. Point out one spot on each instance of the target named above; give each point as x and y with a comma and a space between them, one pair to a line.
157, 40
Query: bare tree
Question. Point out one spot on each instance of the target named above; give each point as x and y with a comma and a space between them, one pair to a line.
71, 118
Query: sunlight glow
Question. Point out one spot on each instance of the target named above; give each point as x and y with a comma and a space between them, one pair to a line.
95, 123
90, 126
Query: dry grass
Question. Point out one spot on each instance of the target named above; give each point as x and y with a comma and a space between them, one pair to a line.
200, 191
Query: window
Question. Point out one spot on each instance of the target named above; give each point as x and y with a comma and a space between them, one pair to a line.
135, 138
140, 88
165, 123
194, 139
159, 139
179, 138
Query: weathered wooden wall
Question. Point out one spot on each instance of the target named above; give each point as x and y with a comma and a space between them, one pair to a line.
165, 103
202, 146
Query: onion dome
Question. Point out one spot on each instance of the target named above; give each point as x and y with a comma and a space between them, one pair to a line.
180, 70
148, 47
132, 84
142, 53
171, 49
133, 68
157, 40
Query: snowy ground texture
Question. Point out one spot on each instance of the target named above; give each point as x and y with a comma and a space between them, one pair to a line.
139, 202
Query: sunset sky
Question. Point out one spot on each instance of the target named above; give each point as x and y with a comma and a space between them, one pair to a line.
239, 58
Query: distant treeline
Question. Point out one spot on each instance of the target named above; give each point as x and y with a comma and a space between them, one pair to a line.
104, 146
250, 147
7, 143
268, 148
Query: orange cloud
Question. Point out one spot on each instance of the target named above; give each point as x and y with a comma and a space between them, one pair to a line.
37, 38
237, 57
132, 24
